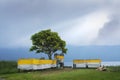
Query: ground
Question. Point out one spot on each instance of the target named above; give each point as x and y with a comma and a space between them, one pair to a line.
63, 74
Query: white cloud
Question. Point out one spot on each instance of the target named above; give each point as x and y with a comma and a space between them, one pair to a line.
84, 30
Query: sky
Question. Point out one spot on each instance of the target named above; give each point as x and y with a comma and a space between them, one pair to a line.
90, 28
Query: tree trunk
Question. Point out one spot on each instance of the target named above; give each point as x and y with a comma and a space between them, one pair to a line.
50, 57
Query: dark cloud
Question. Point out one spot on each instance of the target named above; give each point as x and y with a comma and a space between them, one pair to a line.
109, 35
110, 27
49, 11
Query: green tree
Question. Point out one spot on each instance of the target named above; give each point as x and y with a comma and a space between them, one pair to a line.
47, 42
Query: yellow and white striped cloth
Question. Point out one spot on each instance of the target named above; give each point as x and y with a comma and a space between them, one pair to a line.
35, 64
89, 63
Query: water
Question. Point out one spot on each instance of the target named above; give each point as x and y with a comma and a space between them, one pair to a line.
111, 63
105, 63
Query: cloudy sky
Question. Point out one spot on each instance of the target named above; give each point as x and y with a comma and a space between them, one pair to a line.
78, 22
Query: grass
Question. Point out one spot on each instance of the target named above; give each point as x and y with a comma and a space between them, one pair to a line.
114, 68
8, 67
63, 74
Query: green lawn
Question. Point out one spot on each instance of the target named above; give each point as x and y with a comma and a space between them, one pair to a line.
65, 74
62, 74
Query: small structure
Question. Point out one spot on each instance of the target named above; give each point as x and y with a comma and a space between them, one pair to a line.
79, 63
35, 64
89, 63
93, 63
102, 68
60, 60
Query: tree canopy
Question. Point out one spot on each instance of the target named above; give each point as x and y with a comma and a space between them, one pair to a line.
48, 42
